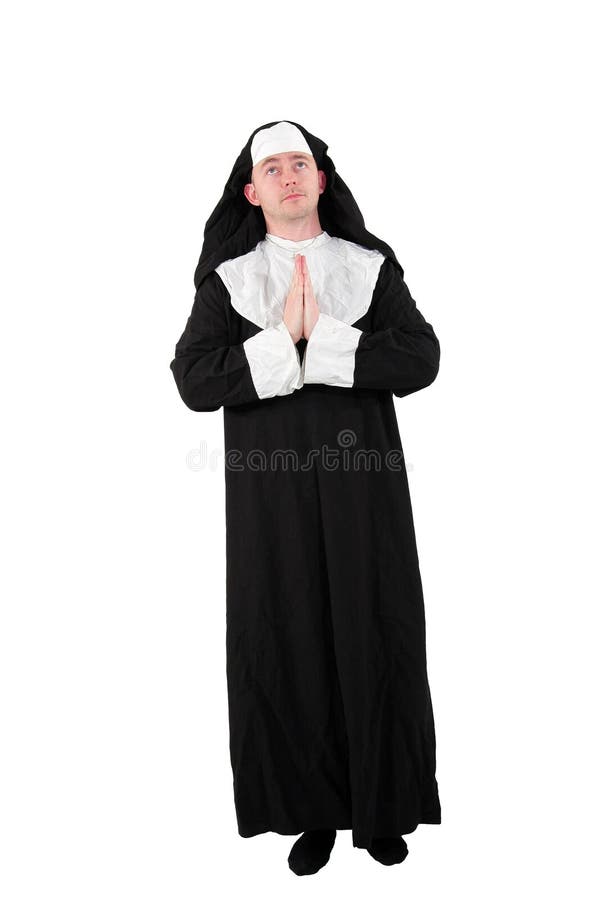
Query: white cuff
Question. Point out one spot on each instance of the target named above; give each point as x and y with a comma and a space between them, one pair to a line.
329, 353
274, 361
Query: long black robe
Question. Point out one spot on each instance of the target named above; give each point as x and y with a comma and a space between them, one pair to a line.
330, 713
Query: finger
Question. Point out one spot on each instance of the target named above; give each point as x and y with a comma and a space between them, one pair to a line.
301, 272
297, 275
307, 280
296, 283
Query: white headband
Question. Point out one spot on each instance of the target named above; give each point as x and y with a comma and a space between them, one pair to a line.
280, 138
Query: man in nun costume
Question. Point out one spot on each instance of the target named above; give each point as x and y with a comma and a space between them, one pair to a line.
303, 330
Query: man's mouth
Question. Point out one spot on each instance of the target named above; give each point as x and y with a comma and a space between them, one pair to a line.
293, 196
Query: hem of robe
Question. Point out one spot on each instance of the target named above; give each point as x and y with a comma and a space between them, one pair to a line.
359, 837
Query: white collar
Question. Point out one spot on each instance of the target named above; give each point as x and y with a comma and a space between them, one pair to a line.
288, 244
343, 276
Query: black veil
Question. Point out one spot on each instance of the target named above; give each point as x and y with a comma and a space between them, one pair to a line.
235, 226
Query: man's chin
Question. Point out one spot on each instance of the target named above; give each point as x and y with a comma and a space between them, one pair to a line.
295, 210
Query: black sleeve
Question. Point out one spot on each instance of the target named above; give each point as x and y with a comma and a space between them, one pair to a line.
210, 373
402, 352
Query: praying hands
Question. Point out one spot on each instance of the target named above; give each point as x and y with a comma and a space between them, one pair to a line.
301, 310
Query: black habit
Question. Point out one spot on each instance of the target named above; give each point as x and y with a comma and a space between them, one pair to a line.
330, 713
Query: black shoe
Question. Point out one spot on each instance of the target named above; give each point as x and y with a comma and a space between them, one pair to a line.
311, 851
388, 850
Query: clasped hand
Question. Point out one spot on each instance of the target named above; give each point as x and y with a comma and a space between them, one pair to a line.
301, 310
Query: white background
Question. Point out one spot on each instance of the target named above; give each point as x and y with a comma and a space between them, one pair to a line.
467, 132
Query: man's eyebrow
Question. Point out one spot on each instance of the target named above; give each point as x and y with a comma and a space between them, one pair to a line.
277, 158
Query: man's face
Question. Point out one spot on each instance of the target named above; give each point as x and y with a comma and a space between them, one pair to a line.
287, 186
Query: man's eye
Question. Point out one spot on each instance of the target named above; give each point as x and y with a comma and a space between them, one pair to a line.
274, 168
